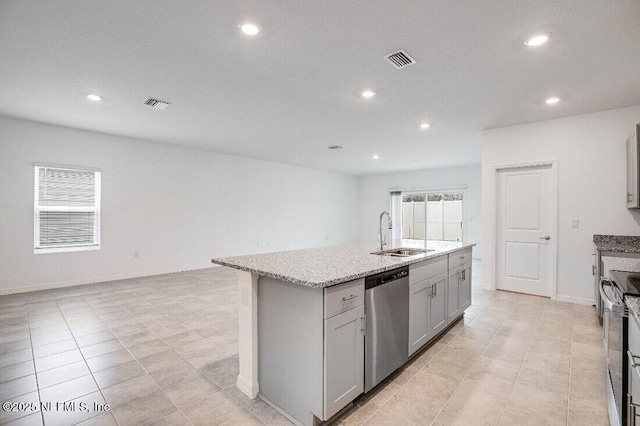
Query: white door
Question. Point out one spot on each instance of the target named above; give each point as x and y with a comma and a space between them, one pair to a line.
524, 224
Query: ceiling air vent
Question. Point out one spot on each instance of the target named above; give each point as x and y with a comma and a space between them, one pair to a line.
400, 59
334, 147
156, 103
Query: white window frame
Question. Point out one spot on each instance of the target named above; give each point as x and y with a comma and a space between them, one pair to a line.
37, 209
396, 196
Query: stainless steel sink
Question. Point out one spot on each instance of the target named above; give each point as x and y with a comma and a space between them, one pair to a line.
402, 252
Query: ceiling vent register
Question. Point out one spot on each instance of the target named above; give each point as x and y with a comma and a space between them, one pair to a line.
400, 59
156, 103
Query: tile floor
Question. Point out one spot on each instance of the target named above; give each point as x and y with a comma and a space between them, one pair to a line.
163, 350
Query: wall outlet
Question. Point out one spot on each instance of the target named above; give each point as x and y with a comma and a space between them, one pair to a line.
575, 223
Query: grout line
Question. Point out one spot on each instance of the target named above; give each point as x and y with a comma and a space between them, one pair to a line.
33, 357
134, 358
87, 364
570, 370
243, 408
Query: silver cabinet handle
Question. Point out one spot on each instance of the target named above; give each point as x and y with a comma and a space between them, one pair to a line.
629, 195
546, 237
434, 290
363, 320
593, 270
463, 274
353, 296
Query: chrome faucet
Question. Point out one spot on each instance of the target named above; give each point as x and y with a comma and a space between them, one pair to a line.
382, 241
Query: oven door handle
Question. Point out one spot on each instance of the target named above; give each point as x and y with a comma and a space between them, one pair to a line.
607, 303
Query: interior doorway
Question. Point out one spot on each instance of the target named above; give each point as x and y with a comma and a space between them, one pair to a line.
526, 226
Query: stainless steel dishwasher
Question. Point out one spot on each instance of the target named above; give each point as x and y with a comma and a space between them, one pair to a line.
386, 301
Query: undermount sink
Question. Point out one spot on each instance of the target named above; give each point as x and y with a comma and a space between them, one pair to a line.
402, 252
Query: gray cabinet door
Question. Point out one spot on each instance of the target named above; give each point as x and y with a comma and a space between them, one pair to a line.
419, 305
453, 290
438, 304
343, 359
632, 173
465, 287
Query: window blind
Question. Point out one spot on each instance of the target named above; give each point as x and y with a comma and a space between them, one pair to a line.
67, 209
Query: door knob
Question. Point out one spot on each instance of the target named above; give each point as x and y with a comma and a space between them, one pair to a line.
546, 237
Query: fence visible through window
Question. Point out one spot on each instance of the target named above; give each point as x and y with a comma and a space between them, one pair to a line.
434, 216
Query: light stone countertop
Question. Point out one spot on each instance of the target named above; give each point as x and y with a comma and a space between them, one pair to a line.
327, 266
626, 264
633, 303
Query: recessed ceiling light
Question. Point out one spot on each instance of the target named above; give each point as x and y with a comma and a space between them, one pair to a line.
249, 28
375, 156
538, 39
93, 97
553, 100
425, 125
368, 93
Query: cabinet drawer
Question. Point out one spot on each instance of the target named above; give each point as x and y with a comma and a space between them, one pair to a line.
459, 258
458, 269
342, 297
427, 269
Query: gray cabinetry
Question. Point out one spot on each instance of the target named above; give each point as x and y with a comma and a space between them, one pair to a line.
427, 301
419, 307
343, 359
633, 200
311, 358
459, 288
427, 310
459, 295
464, 291
438, 308
453, 300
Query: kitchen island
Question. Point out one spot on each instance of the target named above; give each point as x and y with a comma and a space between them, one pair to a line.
302, 319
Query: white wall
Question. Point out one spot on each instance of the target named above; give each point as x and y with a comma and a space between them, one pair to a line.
177, 207
373, 197
590, 154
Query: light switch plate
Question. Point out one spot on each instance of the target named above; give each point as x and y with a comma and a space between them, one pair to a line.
575, 223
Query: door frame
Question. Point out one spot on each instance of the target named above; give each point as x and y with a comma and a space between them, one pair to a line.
553, 165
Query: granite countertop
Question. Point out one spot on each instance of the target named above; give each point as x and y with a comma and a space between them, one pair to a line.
617, 243
633, 303
327, 266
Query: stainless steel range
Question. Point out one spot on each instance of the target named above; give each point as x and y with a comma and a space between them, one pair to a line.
615, 323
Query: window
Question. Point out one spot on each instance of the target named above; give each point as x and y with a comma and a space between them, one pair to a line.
66, 209
430, 216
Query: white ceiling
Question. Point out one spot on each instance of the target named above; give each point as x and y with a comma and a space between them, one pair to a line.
291, 91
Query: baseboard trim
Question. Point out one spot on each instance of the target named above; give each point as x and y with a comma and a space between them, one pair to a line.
64, 284
574, 300
247, 388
